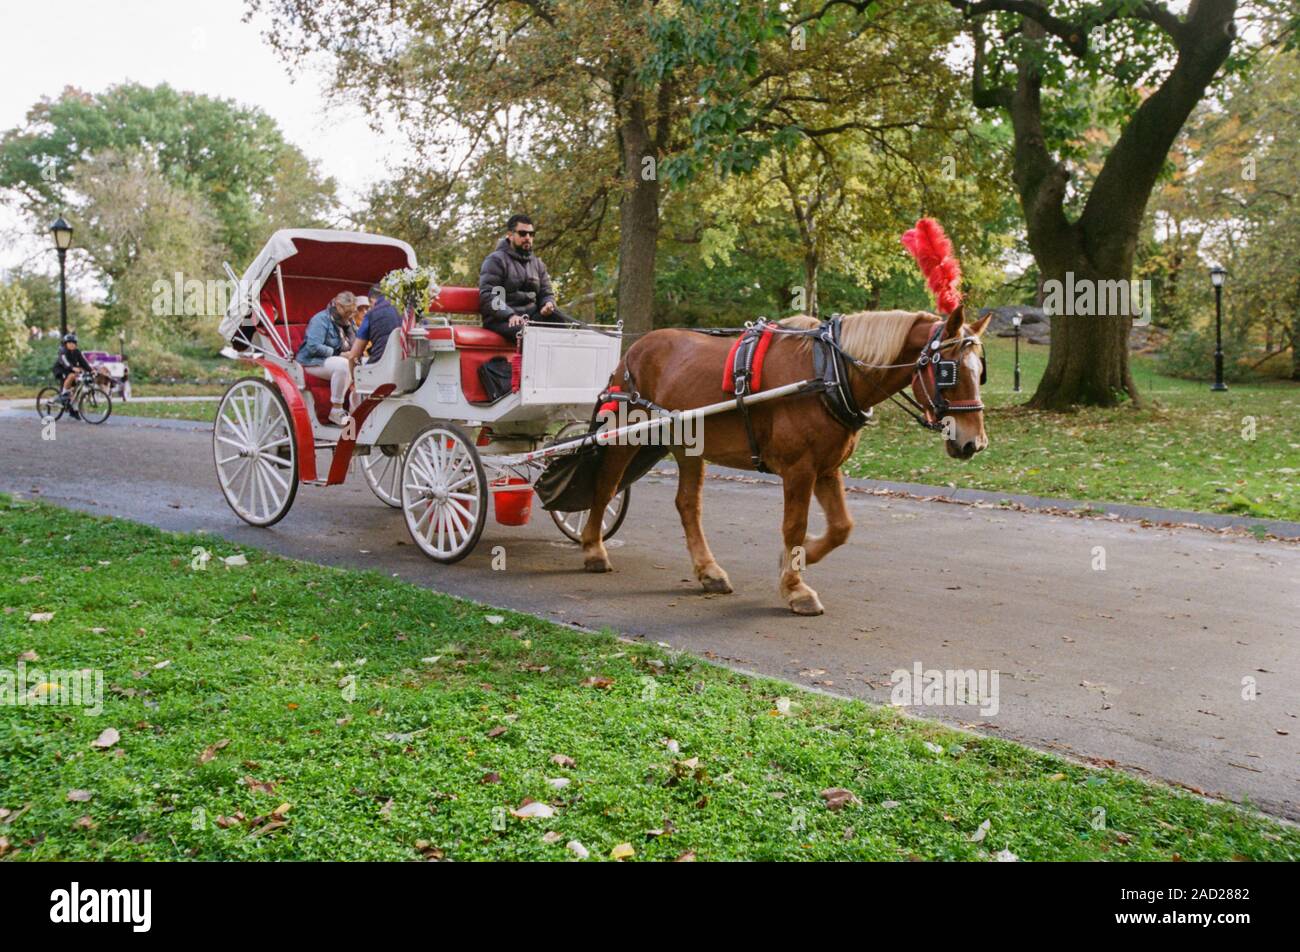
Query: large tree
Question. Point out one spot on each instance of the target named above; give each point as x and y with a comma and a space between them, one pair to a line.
473, 85
233, 158
1056, 71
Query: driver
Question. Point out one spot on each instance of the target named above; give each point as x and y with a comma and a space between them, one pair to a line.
513, 285
66, 365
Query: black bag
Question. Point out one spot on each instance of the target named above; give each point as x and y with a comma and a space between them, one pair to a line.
497, 377
568, 484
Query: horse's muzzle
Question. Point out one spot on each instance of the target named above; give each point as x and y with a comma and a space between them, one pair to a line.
961, 449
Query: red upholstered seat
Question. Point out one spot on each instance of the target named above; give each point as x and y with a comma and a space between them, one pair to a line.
471, 338
456, 301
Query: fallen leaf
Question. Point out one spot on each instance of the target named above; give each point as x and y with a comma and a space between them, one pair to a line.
562, 760
533, 810
1006, 856
490, 777
431, 853
211, 752
687, 857
622, 851
551, 837
79, 796
498, 731
494, 619
559, 783
85, 822
602, 682
29, 656
577, 849
233, 561
257, 786
41, 616
837, 797
979, 834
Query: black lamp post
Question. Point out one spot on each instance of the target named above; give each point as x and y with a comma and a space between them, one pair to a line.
1217, 274
62, 242
1015, 320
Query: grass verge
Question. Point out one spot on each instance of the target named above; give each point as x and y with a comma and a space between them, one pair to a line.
281, 710
1235, 452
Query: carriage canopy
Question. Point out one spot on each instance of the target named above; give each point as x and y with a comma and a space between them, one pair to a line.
315, 264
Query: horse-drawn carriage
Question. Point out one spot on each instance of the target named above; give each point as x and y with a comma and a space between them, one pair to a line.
432, 442
425, 433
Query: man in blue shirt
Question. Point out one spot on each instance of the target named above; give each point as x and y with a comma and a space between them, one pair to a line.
377, 326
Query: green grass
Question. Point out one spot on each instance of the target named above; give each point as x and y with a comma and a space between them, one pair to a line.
205, 410
22, 391
401, 755
1185, 450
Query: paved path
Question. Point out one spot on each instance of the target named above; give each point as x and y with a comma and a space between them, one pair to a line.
1142, 663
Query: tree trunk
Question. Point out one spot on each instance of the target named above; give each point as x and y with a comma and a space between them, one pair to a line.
1295, 344
638, 215
811, 266
1088, 361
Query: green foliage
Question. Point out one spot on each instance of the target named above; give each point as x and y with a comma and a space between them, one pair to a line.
232, 158
14, 308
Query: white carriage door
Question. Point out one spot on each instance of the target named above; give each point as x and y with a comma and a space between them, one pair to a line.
565, 366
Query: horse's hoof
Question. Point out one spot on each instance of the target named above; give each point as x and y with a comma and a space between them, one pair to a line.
598, 565
808, 604
720, 585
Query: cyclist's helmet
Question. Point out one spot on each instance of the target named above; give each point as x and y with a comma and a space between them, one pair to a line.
69, 338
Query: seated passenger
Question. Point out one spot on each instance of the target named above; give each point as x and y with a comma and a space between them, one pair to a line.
513, 284
376, 328
323, 352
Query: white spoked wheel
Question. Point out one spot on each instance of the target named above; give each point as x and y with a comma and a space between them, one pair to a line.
572, 523
382, 468
255, 453
444, 493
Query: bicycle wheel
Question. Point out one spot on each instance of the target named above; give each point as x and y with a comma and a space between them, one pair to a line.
48, 404
95, 404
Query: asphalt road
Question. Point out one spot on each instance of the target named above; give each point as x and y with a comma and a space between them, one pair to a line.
1147, 663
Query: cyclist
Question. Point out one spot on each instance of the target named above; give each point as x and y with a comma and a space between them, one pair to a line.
66, 369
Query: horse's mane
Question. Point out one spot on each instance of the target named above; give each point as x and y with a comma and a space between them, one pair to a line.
873, 337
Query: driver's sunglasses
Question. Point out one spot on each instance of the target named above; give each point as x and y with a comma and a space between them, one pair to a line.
525, 234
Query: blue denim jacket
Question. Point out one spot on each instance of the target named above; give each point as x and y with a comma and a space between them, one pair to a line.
321, 340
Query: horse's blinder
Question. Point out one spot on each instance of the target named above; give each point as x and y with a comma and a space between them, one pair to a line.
934, 375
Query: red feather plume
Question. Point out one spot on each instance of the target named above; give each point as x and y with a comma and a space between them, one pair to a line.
933, 253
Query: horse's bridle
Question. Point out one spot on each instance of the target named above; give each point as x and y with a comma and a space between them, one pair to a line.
934, 375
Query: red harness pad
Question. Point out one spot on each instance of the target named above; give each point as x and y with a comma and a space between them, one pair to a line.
756, 370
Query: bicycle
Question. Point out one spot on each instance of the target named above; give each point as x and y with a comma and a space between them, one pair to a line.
92, 401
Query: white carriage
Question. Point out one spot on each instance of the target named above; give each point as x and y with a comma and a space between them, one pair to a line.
423, 430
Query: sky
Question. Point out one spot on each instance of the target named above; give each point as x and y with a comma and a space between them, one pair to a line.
203, 47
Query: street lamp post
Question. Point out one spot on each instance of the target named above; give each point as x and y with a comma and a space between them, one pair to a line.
1217, 274
62, 242
1015, 320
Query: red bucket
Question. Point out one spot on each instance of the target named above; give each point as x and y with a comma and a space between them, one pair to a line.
514, 507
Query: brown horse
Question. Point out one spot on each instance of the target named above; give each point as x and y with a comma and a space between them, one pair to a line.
798, 438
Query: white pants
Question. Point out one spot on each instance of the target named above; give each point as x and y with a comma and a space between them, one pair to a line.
335, 369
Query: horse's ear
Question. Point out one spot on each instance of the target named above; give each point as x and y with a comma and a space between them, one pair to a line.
980, 326
953, 327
